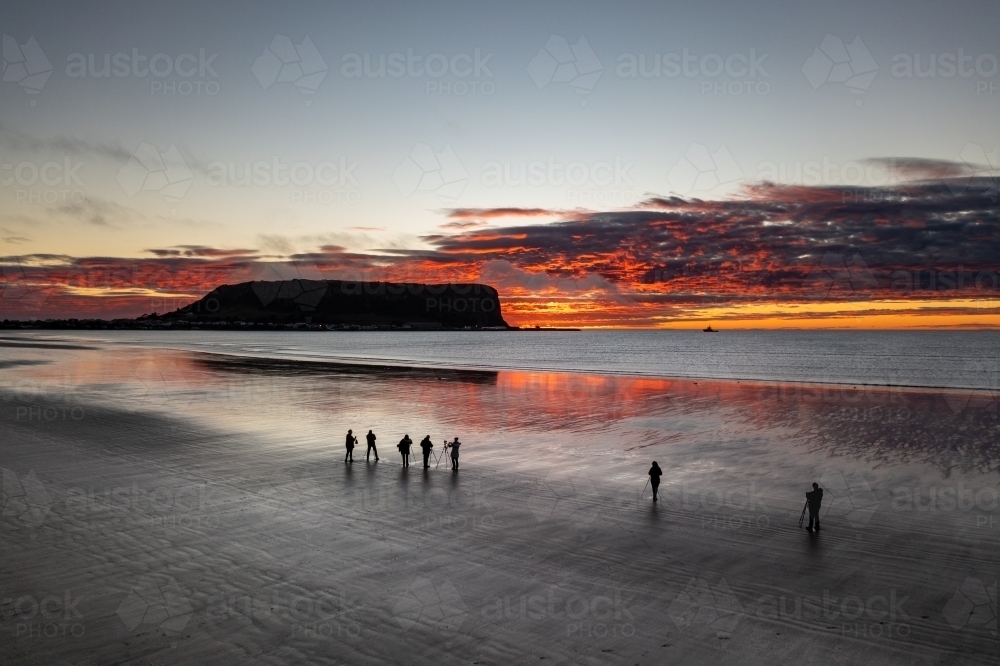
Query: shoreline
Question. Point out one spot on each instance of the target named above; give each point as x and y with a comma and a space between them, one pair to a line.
388, 363
404, 364
333, 362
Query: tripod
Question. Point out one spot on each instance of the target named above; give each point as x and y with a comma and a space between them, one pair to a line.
441, 455
802, 517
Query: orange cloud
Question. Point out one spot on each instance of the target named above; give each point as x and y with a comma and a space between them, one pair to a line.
919, 254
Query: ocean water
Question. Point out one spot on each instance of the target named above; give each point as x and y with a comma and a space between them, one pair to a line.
939, 359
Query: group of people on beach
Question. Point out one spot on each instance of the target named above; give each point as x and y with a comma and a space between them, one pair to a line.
814, 498
404, 449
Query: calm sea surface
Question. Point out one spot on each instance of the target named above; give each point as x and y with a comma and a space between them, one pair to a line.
965, 359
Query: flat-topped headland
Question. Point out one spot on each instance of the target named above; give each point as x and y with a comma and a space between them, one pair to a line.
319, 305
349, 303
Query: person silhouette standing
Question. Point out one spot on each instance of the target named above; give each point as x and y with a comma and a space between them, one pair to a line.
371, 446
404, 449
351, 441
426, 445
814, 500
654, 479
454, 453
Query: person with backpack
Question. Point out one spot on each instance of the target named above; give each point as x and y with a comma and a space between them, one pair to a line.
404, 449
351, 441
814, 499
426, 445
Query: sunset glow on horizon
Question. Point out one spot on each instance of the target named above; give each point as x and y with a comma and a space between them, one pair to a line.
600, 168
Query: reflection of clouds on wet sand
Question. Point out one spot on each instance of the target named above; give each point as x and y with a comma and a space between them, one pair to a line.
511, 411
515, 413
880, 425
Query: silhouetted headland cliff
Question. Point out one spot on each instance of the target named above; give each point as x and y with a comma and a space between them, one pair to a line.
349, 303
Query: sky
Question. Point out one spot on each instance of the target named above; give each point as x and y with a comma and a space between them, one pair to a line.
769, 164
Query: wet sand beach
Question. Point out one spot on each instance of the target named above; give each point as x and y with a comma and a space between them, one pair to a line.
174, 507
